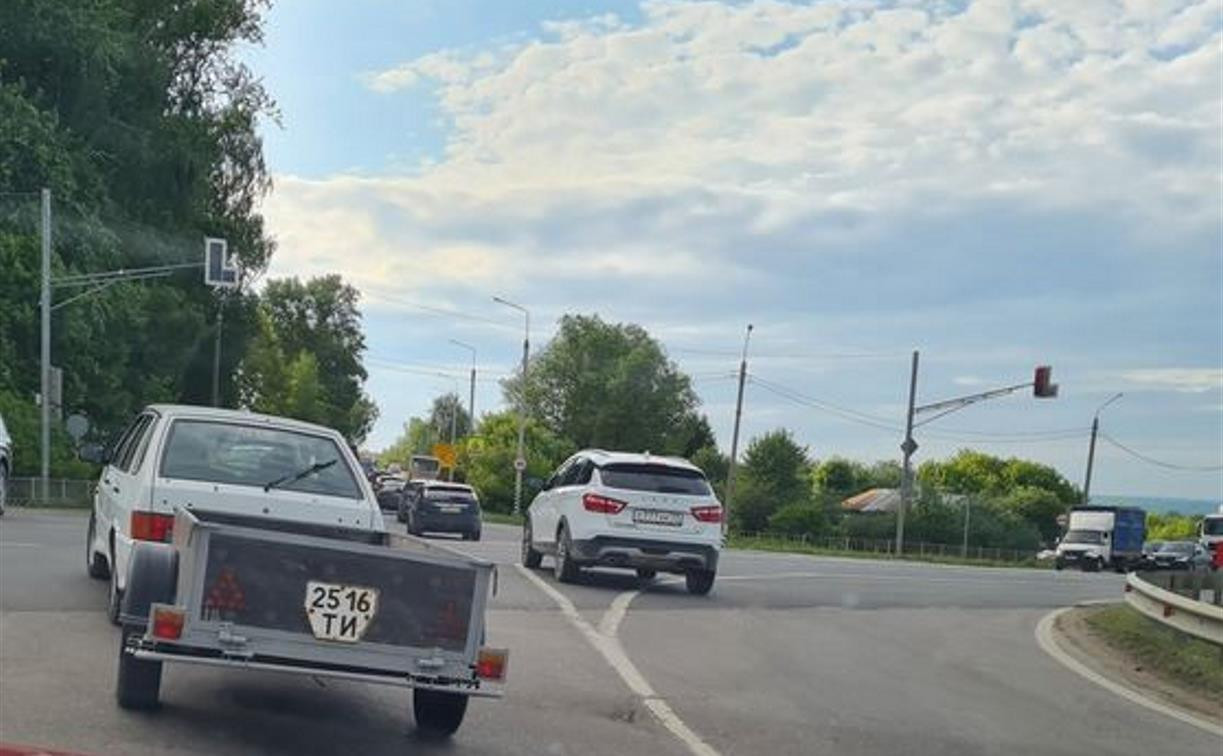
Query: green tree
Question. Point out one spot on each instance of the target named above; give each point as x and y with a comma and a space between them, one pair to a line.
809, 519
444, 407
1172, 526
840, 477
487, 460
1037, 506
610, 385
318, 318
714, 464
773, 477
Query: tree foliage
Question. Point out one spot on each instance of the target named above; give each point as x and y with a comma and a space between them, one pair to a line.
611, 385
487, 460
773, 477
142, 121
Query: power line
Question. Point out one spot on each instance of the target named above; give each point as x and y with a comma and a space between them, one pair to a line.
799, 399
440, 311
1158, 462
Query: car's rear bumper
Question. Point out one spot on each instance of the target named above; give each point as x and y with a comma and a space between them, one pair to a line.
447, 522
645, 553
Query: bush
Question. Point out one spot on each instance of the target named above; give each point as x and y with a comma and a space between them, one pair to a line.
799, 519
24, 423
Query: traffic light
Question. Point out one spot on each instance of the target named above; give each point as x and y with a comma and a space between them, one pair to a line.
1043, 386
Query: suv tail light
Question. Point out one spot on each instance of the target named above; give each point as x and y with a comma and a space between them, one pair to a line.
152, 526
596, 503
707, 514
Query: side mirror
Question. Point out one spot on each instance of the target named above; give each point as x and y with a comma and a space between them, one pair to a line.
93, 453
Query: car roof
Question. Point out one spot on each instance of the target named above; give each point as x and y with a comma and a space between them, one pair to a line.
602, 457
195, 412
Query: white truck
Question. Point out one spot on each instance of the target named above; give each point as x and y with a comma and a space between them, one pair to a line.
1100, 536
254, 542
1210, 533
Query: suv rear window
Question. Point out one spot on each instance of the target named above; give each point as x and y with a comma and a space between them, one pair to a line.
449, 493
654, 478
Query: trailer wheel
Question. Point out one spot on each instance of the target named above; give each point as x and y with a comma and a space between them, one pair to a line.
138, 685
438, 714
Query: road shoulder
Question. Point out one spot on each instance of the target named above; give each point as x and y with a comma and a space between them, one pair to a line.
1075, 637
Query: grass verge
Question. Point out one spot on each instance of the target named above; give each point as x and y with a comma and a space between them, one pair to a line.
497, 518
1164, 651
795, 547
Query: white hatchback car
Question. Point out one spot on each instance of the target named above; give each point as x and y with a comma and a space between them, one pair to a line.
222, 461
636, 511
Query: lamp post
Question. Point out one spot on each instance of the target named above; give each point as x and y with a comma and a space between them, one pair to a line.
520, 461
471, 396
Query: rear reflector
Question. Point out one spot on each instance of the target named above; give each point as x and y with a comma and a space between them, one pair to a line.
491, 664
152, 526
167, 621
597, 503
707, 514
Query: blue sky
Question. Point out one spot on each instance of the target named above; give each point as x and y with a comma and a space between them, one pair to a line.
998, 184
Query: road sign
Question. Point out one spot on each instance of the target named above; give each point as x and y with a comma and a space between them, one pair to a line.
909, 446
446, 454
520, 464
219, 270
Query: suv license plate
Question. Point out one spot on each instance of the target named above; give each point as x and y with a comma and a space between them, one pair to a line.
339, 612
657, 517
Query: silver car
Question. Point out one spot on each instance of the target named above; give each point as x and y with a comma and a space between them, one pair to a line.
6, 463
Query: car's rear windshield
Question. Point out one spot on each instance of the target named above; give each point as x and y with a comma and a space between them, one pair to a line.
1177, 548
248, 455
449, 493
654, 478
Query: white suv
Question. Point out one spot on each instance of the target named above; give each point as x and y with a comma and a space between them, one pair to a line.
635, 511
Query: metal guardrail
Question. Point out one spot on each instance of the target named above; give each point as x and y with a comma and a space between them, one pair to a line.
1189, 602
60, 492
887, 547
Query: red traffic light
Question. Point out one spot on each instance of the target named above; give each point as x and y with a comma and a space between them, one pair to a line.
1043, 386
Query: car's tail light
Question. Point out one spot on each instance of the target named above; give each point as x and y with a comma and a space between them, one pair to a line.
707, 514
152, 526
596, 503
491, 664
167, 621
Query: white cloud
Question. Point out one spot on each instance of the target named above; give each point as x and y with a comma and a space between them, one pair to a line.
1192, 380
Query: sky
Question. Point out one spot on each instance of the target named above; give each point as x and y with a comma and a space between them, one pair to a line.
994, 184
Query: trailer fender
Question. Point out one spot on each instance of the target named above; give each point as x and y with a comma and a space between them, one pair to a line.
152, 578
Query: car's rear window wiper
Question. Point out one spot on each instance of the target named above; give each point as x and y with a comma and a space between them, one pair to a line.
294, 477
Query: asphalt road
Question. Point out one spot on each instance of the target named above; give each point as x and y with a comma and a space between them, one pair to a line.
788, 655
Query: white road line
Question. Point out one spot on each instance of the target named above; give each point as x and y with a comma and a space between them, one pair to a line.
1045, 639
21, 544
613, 653
610, 624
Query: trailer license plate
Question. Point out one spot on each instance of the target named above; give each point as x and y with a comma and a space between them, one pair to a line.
657, 517
339, 612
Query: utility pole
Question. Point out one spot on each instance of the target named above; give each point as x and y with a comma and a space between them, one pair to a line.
1091, 449
908, 447
45, 306
967, 514
520, 462
734, 437
454, 414
216, 353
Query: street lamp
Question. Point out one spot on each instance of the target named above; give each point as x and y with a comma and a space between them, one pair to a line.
471, 397
520, 461
1091, 450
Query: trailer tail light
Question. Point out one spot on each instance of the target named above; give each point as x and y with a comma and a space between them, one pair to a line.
491, 664
152, 526
167, 621
707, 514
596, 503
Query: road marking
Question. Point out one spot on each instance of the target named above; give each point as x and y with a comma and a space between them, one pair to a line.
19, 543
1045, 639
613, 653
610, 624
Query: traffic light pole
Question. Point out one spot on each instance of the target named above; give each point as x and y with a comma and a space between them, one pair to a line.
1042, 389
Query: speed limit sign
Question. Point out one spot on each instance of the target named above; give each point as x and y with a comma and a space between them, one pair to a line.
520, 464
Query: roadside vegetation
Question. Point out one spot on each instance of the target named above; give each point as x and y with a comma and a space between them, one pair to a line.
1162, 650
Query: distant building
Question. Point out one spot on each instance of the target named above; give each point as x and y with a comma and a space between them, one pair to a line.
874, 500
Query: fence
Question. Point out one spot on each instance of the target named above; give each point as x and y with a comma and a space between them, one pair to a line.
1189, 602
61, 492
887, 547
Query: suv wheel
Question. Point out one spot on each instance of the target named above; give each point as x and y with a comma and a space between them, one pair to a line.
700, 581
563, 565
531, 559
